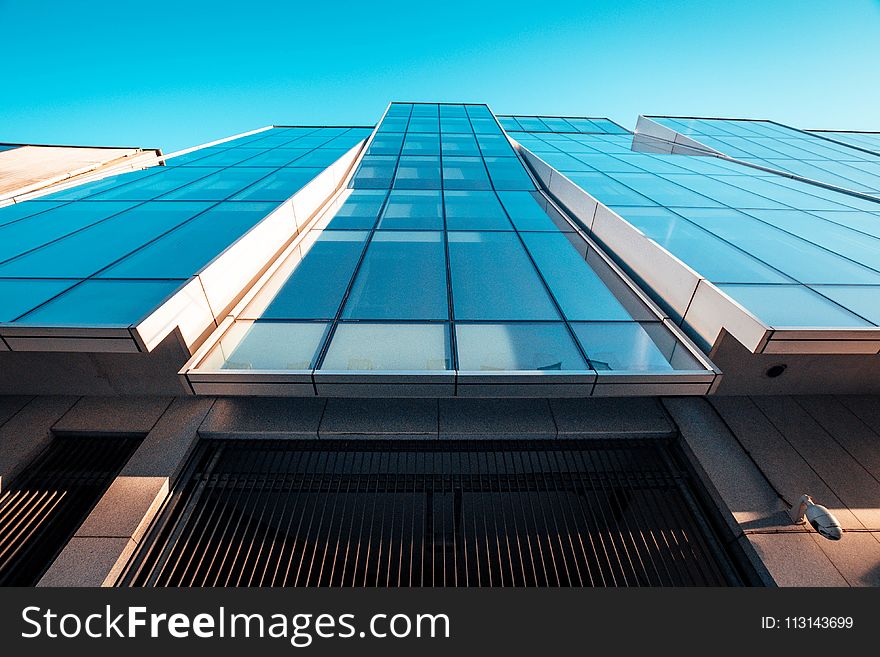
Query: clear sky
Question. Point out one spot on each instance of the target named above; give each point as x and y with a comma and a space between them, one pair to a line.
176, 74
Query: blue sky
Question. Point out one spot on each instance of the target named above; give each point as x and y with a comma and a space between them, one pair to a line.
185, 72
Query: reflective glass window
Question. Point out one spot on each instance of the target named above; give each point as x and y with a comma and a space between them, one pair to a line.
418, 173
365, 347
316, 286
403, 276
512, 347
464, 173
413, 210
493, 279
474, 210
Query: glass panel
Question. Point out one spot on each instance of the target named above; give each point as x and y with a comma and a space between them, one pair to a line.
403, 276
863, 300
418, 173
315, 288
526, 211
421, 144
186, 250
278, 186
665, 192
99, 303
358, 209
450, 124
578, 289
37, 230
286, 346
508, 173
413, 210
278, 157
88, 251
512, 347
791, 305
706, 253
465, 173
460, 144
153, 186
18, 211
386, 144
389, 348
17, 296
474, 210
494, 145
607, 190
375, 172
633, 347
219, 186
87, 189
798, 258
493, 279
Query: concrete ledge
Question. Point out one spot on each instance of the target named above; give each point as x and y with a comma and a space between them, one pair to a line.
732, 479
126, 509
637, 416
794, 559
113, 415
374, 417
496, 418
263, 417
89, 562
29, 432
164, 451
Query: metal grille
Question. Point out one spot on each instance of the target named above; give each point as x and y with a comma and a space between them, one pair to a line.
47, 503
429, 513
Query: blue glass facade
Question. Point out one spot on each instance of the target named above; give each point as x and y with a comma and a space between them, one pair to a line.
442, 256
108, 252
793, 253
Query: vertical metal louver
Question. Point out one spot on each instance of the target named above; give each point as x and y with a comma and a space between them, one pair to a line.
429, 513
49, 500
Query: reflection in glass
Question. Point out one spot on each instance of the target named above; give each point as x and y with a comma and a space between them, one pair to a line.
512, 347
388, 347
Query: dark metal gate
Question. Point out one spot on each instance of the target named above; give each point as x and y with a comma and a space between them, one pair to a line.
50, 499
432, 513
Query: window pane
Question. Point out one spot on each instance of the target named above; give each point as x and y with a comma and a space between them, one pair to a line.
278, 186
316, 287
153, 186
403, 276
421, 144
389, 347
493, 279
219, 186
285, 346
465, 173
607, 190
100, 303
418, 173
578, 289
526, 212
186, 250
477, 210
512, 347
358, 210
17, 296
633, 347
375, 172
791, 305
35, 231
88, 251
460, 144
508, 173
413, 210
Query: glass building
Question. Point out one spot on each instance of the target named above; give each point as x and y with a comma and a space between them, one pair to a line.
445, 348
